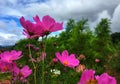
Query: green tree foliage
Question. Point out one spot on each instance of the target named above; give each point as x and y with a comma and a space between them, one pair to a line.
115, 59
78, 39
103, 39
115, 37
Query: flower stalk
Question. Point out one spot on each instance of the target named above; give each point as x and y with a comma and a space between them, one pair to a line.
30, 54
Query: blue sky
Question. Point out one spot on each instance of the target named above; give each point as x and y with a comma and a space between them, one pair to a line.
61, 10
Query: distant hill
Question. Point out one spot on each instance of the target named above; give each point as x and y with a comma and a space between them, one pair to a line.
5, 47
1, 47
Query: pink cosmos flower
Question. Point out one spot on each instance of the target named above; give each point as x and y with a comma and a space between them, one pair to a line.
23, 73
105, 79
87, 75
48, 24
67, 60
29, 28
9, 56
5, 67
40, 28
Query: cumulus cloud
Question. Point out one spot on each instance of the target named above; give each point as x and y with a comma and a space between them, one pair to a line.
8, 39
103, 14
65, 9
10, 32
61, 10
115, 20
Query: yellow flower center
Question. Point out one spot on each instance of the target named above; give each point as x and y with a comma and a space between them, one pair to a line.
5, 68
20, 74
65, 63
91, 81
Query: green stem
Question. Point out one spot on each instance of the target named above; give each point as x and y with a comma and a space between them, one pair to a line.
43, 62
28, 82
43, 71
35, 76
32, 64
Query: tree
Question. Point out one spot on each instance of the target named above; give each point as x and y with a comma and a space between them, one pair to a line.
103, 43
115, 37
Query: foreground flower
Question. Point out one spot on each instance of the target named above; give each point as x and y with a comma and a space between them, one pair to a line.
23, 73
88, 77
67, 60
40, 28
5, 67
28, 27
9, 56
48, 24
105, 79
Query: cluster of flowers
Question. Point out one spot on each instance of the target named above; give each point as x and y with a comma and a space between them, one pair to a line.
8, 65
88, 76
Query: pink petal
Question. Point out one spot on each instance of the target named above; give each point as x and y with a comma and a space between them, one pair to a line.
65, 54
36, 18
106, 79
38, 29
47, 21
26, 33
26, 71
22, 21
86, 75
58, 55
29, 26
56, 27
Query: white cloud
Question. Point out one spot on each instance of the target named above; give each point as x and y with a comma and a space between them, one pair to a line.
61, 10
8, 39
115, 20
7, 36
10, 33
103, 14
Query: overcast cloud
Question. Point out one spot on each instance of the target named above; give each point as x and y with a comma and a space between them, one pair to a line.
61, 10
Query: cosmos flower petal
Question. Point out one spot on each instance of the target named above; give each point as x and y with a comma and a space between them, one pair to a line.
86, 75
9, 56
26, 71
47, 21
66, 60
56, 27
58, 55
22, 21
65, 54
106, 79
37, 19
